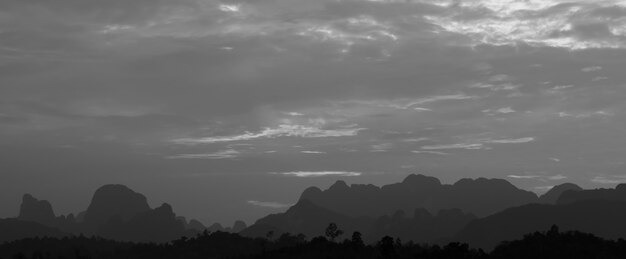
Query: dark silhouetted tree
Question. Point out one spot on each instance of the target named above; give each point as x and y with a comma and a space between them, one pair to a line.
357, 239
332, 232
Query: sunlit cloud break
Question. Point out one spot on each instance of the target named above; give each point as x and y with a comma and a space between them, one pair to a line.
230, 153
615, 179
319, 174
511, 141
269, 204
284, 130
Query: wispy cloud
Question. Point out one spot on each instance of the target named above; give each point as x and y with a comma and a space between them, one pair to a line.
230, 153
430, 152
613, 179
511, 141
539, 177
312, 152
591, 69
478, 143
284, 130
455, 146
318, 173
437, 98
269, 204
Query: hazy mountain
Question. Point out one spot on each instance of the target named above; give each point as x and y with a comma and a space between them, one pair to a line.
13, 229
114, 200
480, 197
422, 227
156, 225
604, 218
35, 210
307, 218
238, 226
553, 195
617, 194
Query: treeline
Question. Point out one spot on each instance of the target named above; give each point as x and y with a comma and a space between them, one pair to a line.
548, 244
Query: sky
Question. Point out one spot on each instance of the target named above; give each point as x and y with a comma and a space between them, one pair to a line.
229, 109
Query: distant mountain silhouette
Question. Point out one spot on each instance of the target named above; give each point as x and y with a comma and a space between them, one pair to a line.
306, 218
311, 220
35, 210
553, 195
115, 212
423, 227
238, 226
192, 224
156, 225
216, 227
13, 229
480, 197
604, 218
617, 194
114, 200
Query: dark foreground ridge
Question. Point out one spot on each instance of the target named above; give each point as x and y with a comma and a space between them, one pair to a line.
546, 244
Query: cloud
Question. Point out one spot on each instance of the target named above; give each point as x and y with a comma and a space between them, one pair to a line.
577, 25
284, 130
455, 146
511, 141
539, 177
312, 152
269, 204
430, 152
613, 179
505, 110
437, 98
230, 153
591, 69
478, 144
319, 173
523, 176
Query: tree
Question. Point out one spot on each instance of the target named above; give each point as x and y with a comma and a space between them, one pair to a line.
332, 232
357, 238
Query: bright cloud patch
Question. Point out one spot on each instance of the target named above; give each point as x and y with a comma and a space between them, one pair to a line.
544, 178
511, 141
285, 130
613, 179
319, 174
269, 204
455, 146
230, 153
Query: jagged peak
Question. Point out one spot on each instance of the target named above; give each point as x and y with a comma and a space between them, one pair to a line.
339, 185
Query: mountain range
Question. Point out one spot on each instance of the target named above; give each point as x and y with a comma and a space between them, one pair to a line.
481, 212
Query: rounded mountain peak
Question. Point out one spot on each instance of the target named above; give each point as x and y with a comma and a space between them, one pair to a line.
115, 200
421, 180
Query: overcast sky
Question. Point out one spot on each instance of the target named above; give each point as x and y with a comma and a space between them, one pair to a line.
228, 110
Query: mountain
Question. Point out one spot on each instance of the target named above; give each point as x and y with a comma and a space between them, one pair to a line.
553, 195
35, 210
155, 225
311, 220
480, 197
617, 194
238, 226
114, 200
305, 218
115, 212
604, 218
13, 229
422, 227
